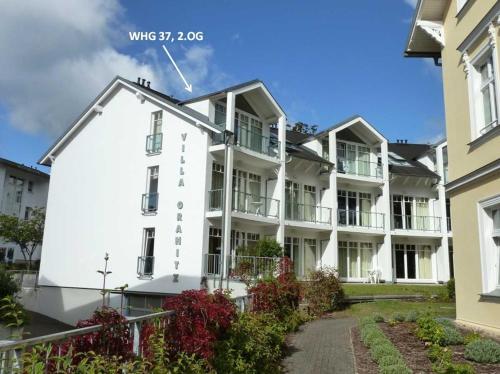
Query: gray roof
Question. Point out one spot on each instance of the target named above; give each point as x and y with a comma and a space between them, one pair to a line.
294, 148
23, 167
224, 90
410, 153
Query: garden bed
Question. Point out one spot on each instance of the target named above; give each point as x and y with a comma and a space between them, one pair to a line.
414, 351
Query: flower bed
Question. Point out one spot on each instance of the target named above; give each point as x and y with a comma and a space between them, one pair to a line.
432, 345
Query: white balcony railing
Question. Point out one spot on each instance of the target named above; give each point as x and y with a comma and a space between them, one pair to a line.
419, 223
359, 167
246, 203
358, 218
308, 213
241, 267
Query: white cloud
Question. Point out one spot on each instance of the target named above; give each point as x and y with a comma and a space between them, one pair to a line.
412, 3
58, 55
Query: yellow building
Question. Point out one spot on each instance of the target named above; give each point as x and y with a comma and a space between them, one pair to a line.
463, 36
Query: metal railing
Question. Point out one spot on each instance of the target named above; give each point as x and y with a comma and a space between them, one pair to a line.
246, 203
308, 213
11, 352
150, 202
253, 141
154, 143
419, 223
241, 267
145, 266
24, 278
359, 167
360, 219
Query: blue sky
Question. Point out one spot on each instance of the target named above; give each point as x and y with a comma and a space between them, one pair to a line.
323, 61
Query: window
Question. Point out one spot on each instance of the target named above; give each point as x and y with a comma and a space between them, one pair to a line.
30, 186
483, 97
355, 259
309, 255
145, 264
412, 213
150, 198
10, 255
220, 115
309, 203
489, 231
445, 165
155, 139
292, 251
156, 122
27, 213
356, 159
354, 209
413, 262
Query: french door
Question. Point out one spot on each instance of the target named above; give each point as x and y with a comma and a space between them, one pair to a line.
410, 212
355, 259
309, 203
292, 251
413, 262
292, 200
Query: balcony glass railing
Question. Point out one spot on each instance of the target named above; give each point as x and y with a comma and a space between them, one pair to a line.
153, 143
253, 141
241, 267
145, 266
360, 219
359, 167
420, 223
246, 203
150, 202
308, 213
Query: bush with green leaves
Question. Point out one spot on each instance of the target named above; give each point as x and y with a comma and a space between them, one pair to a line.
383, 352
483, 351
262, 248
412, 316
8, 287
438, 331
399, 317
254, 344
378, 318
441, 358
323, 291
12, 313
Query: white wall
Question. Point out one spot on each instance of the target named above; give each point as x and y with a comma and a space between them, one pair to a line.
95, 201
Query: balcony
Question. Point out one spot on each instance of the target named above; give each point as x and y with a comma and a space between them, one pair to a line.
418, 223
150, 202
356, 218
308, 213
253, 141
145, 266
246, 203
241, 267
359, 168
154, 143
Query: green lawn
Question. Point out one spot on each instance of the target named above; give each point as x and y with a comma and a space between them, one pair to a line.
395, 289
389, 308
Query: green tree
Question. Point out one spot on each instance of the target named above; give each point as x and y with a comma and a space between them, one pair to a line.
27, 234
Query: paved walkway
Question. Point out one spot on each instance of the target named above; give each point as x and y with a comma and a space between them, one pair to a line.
322, 346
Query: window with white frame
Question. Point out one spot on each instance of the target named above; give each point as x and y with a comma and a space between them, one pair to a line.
355, 259
484, 99
489, 231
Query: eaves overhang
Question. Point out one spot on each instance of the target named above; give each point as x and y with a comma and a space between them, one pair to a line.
426, 37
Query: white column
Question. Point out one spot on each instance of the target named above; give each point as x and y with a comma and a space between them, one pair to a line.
443, 259
330, 257
228, 186
385, 252
280, 183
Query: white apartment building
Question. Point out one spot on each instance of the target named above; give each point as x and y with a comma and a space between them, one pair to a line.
141, 175
22, 189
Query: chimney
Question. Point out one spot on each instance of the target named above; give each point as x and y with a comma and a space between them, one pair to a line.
406, 141
147, 84
143, 82
138, 80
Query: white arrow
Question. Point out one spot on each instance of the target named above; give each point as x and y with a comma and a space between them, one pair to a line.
189, 87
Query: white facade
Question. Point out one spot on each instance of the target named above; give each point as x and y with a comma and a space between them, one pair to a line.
22, 189
101, 169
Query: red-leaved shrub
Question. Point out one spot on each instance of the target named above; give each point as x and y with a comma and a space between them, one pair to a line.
200, 319
113, 339
278, 296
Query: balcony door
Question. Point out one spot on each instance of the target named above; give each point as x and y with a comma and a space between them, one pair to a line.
292, 251
354, 208
310, 255
410, 212
148, 251
247, 192
309, 203
413, 262
291, 200
355, 259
